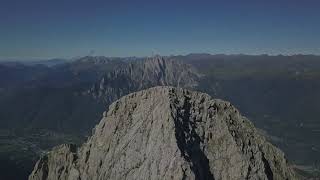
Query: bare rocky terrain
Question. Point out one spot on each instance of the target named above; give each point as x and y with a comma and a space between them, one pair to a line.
168, 133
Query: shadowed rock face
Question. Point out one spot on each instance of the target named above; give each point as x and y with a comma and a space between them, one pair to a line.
168, 133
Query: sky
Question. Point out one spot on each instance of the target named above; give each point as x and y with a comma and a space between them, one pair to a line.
71, 28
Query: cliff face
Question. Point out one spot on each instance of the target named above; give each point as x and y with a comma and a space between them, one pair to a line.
142, 74
168, 133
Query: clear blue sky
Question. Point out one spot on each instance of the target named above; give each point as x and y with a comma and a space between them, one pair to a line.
68, 28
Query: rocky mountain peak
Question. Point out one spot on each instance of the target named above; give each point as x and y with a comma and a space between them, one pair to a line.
168, 133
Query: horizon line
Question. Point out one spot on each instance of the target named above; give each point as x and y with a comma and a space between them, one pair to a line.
172, 55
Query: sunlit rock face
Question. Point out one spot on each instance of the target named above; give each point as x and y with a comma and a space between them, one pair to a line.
168, 133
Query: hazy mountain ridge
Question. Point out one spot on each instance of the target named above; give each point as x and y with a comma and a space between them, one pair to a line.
143, 74
255, 67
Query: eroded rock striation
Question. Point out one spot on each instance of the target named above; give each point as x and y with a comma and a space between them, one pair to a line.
168, 133
143, 74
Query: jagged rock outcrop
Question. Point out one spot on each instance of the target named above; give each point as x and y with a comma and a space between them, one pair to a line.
168, 133
142, 74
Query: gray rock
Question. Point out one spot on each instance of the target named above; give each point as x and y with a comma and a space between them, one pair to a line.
168, 133
143, 74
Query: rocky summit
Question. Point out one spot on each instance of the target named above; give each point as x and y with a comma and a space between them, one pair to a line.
168, 133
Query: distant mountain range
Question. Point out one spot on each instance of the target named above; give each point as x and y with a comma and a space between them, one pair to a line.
45, 105
49, 62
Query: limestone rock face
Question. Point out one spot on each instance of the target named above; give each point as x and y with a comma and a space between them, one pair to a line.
168, 133
143, 74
